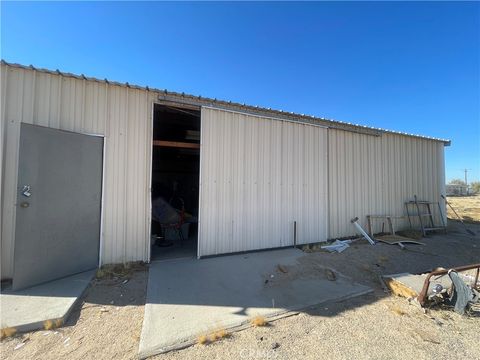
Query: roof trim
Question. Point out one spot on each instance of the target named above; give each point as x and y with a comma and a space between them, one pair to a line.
265, 113
169, 96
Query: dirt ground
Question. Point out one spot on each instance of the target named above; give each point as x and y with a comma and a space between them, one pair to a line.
107, 322
468, 207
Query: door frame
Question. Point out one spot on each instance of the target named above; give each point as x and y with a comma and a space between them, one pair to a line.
180, 105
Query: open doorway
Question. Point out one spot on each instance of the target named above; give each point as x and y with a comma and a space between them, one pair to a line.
175, 181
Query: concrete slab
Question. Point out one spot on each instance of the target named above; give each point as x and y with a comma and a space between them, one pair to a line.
28, 309
187, 297
410, 285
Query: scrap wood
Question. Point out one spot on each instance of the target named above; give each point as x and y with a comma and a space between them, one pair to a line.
396, 239
399, 288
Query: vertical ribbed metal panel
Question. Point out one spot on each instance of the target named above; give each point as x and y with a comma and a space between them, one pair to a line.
371, 175
121, 114
257, 177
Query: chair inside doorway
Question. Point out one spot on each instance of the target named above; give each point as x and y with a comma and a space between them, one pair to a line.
175, 181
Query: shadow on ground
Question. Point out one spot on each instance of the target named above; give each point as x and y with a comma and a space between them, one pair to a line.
361, 263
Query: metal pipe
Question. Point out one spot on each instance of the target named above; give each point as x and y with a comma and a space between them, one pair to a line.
294, 234
476, 278
458, 216
422, 297
359, 228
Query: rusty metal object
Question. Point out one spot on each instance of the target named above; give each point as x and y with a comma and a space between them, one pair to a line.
422, 297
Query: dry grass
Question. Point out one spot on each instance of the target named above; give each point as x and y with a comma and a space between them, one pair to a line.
468, 207
7, 332
214, 336
119, 270
259, 321
202, 339
52, 324
218, 335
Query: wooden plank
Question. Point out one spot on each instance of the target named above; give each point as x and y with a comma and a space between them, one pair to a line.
369, 224
390, 223
176, 144
395, 239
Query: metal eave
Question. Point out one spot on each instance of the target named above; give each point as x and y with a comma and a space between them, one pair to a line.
169, 96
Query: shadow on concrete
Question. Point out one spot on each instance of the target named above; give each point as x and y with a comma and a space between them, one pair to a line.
29, 309
187, 297
183, 286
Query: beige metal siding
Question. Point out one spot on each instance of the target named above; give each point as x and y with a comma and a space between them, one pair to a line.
371, 175
258, 174
121, 114
257, 177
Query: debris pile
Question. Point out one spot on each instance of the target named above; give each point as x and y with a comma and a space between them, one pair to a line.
337, 246
453, 287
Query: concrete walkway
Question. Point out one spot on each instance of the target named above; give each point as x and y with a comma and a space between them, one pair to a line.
187, 298
29, 309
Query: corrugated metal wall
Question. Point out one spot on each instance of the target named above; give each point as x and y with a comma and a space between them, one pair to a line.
371, 175
257, 177
121, 114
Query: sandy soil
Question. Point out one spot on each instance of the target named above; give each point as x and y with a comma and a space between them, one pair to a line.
105, 324
362, 328
468, 207
376, 326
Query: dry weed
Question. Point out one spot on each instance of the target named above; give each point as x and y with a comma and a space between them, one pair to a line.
119, 270
218, 335
52, 324
7, 332
202, 339
259, 321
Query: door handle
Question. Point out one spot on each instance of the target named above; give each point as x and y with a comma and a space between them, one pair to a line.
26, 191
25, 204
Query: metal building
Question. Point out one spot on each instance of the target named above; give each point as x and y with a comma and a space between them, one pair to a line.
266, 178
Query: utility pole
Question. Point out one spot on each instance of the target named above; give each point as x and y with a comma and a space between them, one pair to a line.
466, 172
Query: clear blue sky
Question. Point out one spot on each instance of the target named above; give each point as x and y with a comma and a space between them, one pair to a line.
411, 67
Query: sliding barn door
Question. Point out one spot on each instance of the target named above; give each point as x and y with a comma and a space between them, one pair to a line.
258, 178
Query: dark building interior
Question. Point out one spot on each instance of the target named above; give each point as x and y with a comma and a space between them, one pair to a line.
175, 181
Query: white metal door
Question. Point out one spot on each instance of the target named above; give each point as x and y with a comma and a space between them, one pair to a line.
258, 176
